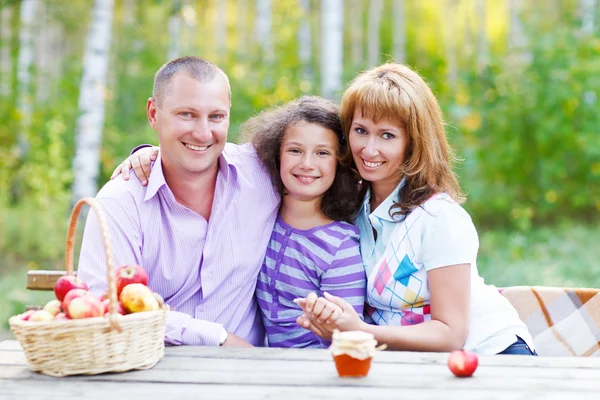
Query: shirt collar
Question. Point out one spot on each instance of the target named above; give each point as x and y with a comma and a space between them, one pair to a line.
227, 169
383, 210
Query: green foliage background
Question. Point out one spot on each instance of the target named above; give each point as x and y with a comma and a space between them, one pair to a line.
528, 131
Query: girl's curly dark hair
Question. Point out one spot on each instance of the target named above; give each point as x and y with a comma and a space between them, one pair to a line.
266, 130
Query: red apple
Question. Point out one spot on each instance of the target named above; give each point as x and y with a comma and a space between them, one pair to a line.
61, 316
86, 306
128, 274
26, 315
65, 284
53, 307
73, 294
462, 363
106, 304
41, 315
137, 297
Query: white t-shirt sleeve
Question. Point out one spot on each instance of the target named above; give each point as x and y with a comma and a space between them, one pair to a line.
448, 236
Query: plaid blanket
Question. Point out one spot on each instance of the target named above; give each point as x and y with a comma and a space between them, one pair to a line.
562, 321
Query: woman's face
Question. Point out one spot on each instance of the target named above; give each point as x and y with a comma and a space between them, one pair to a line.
378, 149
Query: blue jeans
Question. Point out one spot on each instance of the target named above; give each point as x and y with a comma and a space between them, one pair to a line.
520, 348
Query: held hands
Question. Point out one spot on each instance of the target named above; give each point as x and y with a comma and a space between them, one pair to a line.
140, 161
324, 314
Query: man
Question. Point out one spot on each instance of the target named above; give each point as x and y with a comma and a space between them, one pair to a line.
201, 226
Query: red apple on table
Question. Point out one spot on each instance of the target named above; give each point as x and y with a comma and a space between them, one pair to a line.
462, 363
65, 284
128, 274
53, 307
136, 297
86, 306
73, 294
41, 315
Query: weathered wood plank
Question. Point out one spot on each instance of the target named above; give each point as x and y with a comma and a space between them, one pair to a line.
67, 389
43, 279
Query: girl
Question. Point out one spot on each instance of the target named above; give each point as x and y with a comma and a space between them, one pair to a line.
419, 247
313, 247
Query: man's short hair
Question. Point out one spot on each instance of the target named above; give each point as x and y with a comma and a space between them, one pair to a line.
196, 67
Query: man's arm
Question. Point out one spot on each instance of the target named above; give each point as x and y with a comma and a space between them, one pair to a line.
125, 236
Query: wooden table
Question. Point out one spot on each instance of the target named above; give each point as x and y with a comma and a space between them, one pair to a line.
262, 373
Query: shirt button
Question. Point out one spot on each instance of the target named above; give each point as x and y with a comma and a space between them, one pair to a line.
202, 308
208, 275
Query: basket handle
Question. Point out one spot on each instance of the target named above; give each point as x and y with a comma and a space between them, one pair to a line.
110, 270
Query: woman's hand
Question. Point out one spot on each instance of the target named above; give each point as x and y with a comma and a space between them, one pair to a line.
140, 161
322, 315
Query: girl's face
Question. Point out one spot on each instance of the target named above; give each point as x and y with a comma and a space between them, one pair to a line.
308, 160
378, 149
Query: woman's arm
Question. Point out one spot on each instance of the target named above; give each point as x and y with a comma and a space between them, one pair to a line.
140, 160
450, 289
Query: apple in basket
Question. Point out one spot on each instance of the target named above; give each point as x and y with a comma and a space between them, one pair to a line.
73, 294
53, 307
65, 284
86, 306
41, 315
128, 274
106, 304
136, 297
26, 315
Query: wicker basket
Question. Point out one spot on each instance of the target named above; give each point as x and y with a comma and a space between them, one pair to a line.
113, 343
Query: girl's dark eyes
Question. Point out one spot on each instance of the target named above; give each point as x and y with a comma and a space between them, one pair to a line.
323, 153
360, 131
294, 151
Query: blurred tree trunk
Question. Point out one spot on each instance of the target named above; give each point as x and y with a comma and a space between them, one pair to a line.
355, 13
92, 93
304, 41
482, 40
588, 16
174, 50
517, 41
242, 27
47, 53
263, 28
332, 48
399, 27
24, 63
373, 48
220, 27
5, 53
450, 39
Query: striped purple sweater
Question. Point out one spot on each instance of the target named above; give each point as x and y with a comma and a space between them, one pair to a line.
322, 259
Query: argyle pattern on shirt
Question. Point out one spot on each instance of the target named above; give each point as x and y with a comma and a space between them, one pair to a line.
397, 290
562, 321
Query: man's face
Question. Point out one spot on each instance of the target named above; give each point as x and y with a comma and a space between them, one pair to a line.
192, 123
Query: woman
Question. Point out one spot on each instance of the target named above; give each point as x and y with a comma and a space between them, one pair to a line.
419, 247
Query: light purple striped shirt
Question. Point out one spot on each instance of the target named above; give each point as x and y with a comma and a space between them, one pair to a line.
322, 259
206, 272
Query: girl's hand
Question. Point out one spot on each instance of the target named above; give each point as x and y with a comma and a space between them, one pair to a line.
140, 161
323, 315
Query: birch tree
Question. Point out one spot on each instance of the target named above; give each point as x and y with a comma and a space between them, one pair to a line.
355, 13
373, 47
5, 57
332, 30
220, 35
263, 27
174, 27
47, 53
24, 63
399, 26
304, 40
588, 15
242, 27
91, 101
482, 41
